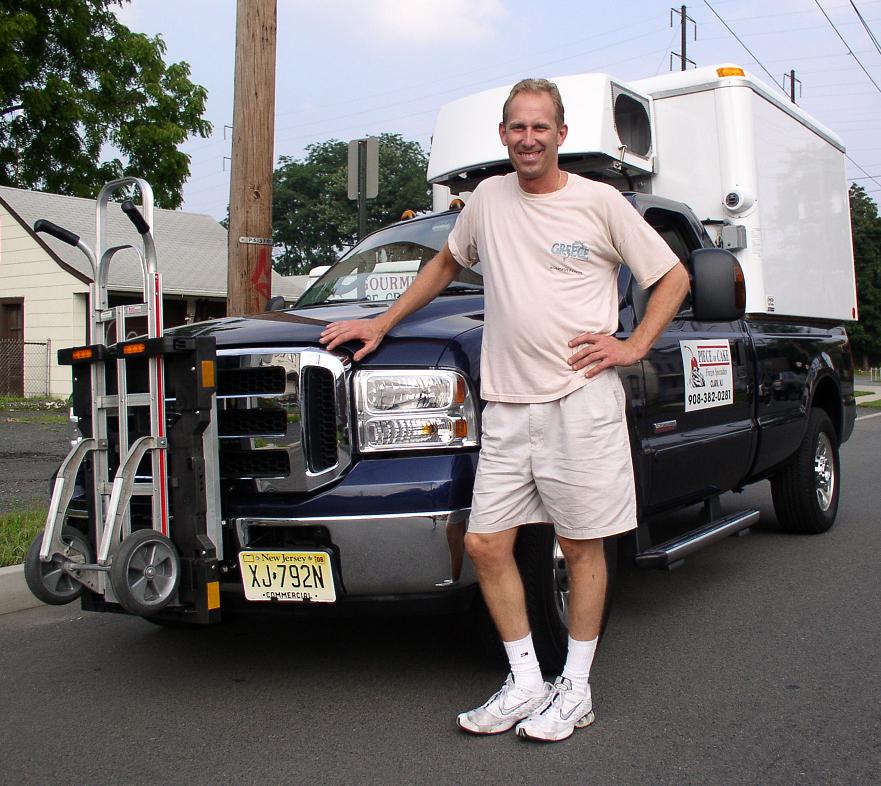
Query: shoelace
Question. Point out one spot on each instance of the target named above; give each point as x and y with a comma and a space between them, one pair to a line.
552, 699
492, 698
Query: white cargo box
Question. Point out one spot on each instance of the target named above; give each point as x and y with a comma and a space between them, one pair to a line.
600, 111
745, 159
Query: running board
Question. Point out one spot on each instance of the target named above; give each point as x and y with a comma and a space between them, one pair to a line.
671, 553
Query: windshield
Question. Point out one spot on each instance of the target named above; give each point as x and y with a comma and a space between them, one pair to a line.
386, 262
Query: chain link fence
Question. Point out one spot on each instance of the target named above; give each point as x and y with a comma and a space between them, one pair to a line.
25, 367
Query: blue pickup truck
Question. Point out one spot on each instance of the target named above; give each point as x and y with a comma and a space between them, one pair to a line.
345, 487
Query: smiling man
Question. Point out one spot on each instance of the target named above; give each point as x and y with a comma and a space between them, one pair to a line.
555, 446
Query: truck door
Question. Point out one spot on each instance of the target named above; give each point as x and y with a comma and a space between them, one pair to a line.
695, 429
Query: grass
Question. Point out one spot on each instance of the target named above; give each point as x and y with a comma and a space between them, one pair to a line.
872, 404
17, 530
34, 404
44, 419
858, 393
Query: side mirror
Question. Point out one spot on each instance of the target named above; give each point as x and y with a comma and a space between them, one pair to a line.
718, 289
275, 303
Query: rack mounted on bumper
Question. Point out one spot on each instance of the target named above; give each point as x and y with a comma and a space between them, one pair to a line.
152, 542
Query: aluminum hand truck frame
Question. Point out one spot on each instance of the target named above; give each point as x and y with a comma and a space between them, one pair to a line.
162, 564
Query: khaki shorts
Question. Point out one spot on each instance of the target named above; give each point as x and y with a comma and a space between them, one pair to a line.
565, 461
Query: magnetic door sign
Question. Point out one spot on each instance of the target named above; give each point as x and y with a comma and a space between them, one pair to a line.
706, 367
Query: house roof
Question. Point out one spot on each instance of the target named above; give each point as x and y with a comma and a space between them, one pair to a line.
191, 249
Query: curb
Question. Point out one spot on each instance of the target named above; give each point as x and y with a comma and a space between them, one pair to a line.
14, 593
873, 390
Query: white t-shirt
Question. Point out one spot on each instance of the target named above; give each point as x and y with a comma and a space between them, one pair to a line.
550, 266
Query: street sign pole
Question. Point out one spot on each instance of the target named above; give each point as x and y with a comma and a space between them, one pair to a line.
363, 176
362, 188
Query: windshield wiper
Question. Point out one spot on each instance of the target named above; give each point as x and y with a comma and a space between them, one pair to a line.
335, 302
469, 289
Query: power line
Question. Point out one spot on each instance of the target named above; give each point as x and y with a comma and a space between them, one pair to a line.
866, 26
849, 50
867, 175
758, 62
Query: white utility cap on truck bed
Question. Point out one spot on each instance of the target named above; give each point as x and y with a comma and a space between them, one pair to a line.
739, 154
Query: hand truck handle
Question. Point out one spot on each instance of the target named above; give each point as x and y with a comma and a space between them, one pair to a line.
64, 235
129, 208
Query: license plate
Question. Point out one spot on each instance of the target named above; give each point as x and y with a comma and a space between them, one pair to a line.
287, 576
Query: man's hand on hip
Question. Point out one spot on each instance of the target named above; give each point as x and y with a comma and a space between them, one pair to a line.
368, 331
601, 352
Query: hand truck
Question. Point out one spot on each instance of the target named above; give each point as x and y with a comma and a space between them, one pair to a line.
147, 459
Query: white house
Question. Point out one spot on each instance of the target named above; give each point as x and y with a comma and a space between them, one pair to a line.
44, 283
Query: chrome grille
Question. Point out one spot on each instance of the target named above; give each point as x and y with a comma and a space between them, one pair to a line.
320, 430
248, 464
283, 418
252, 422
250, 381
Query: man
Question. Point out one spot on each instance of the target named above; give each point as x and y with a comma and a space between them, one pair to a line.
555, 445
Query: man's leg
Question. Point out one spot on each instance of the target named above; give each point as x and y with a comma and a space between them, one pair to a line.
586, 565
502, 588
569, 706
493, 557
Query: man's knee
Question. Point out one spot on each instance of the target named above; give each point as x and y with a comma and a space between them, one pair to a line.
490, 548
580, 551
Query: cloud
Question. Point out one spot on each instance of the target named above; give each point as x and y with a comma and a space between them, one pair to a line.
463, 21
405, 22
128, 13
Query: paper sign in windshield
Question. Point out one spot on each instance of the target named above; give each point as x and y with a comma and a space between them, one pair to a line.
706, 366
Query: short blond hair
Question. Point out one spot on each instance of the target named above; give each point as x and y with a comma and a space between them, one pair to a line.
536, 86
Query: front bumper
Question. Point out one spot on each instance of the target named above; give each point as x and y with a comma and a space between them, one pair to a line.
388, 555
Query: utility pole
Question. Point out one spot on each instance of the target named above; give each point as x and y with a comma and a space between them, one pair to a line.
249, 282
684, 19
792, 83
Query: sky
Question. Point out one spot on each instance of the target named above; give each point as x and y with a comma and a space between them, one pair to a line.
349, 68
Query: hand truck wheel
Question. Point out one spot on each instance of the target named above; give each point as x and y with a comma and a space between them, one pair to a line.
145, 572
49, 581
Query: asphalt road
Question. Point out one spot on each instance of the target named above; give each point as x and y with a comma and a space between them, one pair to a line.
757, 662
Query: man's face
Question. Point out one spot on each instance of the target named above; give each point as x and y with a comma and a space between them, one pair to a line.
531, 136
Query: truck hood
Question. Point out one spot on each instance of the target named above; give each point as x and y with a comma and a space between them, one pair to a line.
432, 326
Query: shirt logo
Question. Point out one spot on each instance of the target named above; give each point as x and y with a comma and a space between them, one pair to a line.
576, 250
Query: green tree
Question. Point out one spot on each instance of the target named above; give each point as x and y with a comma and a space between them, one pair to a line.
77, 85
313, 219
866, 227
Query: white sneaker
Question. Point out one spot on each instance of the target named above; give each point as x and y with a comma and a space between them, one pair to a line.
561, 713
503, 709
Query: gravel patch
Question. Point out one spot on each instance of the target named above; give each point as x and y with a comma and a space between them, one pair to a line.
29, 455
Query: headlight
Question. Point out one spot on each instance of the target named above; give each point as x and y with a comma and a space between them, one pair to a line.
400, 410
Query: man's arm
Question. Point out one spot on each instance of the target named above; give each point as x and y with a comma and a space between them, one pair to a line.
434, 277
606, 351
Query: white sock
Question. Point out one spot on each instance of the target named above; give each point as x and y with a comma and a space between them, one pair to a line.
578, 663
524, 664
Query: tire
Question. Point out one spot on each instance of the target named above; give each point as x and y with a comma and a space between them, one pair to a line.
805, 491
48, 581
145, 572
545, 582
